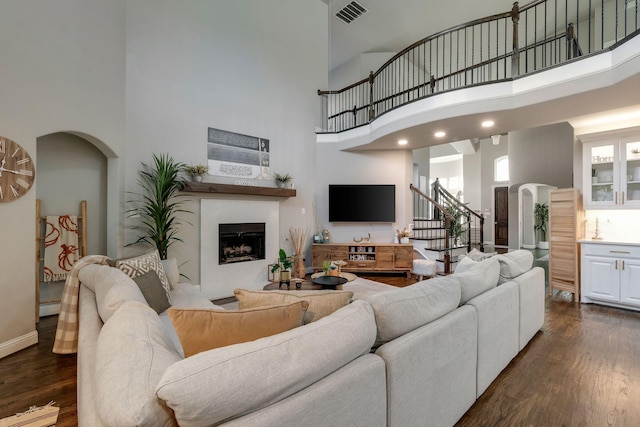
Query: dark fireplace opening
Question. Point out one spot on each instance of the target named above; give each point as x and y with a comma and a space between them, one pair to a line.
241, 242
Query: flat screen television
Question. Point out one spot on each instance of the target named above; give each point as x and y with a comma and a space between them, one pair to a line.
362, 203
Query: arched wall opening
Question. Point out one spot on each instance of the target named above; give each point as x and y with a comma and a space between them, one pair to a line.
72, 167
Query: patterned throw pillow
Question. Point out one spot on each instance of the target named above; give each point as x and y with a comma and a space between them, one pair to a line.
137, 266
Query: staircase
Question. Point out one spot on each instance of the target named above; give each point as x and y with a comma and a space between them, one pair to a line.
444, 228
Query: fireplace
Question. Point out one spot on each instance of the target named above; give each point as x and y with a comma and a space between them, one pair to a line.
241, 242
220, 280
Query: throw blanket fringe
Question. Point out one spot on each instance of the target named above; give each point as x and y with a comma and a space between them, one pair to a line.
43, 416
66, 341
60, 246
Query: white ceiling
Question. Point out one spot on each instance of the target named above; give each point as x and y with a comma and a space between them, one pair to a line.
390, 26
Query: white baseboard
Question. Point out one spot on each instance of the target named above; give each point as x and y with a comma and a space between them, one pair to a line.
528, 246
17, 344
49, 309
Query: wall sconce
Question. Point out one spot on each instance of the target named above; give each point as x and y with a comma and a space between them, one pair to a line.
496, 139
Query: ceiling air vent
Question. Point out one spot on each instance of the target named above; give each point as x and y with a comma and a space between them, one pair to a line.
351, 12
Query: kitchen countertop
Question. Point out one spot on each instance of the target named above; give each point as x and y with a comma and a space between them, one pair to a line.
609, 242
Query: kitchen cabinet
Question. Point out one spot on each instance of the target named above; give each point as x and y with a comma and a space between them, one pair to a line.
610, 274
612, 173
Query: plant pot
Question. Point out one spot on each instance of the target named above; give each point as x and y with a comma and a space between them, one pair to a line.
404, 240
543, 245
285, 275
197, 178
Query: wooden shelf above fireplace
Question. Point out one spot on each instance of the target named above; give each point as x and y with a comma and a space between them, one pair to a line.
213, 188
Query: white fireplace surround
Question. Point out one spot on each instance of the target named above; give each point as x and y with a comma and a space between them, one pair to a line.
219, 281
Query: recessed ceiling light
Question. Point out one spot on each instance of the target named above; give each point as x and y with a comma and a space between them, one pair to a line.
402, 142
439, 134
488, 123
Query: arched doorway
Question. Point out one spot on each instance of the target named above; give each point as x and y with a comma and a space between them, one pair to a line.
71, 169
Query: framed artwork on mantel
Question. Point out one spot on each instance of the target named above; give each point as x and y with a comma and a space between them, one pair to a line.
235, 155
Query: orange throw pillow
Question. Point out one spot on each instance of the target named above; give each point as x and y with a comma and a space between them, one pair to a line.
205, 329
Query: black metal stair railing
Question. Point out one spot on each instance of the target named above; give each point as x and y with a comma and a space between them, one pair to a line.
467, 227
524, 40
431, 225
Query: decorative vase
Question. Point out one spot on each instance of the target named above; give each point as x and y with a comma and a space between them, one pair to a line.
404, 240
298, 268
197, 178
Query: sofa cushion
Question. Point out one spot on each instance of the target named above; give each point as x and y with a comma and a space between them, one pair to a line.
243, 378
405, 309
476, 255
152, 290
513, 264
478, 278
321, 303
132, 354
170, 267
141, 264
111, 286
201, 330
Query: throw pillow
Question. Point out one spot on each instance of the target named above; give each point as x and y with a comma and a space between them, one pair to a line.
170, 267
201, 330
152, 290
321, 303
513, 264
465, 264
476, 255
137, 266
478, 279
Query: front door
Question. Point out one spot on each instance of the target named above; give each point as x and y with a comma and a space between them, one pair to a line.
501, 211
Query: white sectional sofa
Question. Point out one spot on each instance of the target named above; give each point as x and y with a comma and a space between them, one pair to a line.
419, 355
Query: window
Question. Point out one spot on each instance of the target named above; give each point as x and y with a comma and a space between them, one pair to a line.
501, 169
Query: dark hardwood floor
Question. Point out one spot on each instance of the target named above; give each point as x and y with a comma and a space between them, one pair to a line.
581, 370
35, 376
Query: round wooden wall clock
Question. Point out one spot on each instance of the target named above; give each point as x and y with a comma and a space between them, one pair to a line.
17, 171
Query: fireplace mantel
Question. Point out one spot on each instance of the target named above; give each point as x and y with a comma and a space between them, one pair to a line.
214, 188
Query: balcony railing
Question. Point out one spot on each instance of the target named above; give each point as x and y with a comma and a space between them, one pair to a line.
524, 40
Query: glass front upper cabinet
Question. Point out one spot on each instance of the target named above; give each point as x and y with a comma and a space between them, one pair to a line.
612, 174
630, 174
601, 188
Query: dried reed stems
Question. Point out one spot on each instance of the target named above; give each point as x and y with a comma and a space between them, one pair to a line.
298, 241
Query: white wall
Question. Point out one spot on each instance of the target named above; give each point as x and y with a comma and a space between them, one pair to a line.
63, 66
242, 66
368, 167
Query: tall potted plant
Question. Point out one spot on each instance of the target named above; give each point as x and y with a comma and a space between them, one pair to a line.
541, 214
158, 206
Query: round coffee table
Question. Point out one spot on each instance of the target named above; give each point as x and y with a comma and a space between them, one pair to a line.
329, 282
294, 285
